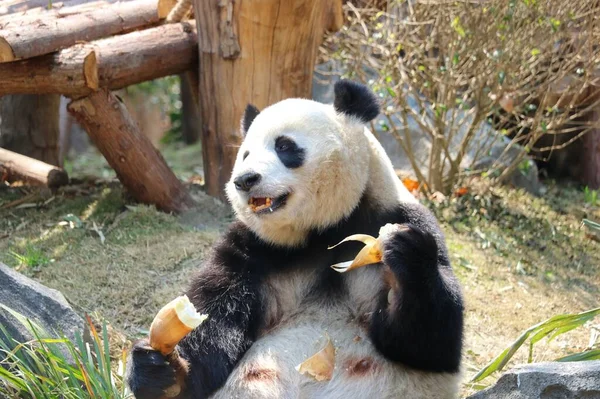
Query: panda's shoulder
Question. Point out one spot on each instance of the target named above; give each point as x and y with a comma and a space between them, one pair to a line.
240, 249
236, 241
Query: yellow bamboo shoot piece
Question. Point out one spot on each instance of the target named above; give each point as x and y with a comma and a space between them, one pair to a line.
173, 322
371, 253
320, 365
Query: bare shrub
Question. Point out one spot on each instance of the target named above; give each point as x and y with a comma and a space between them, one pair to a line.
448, 70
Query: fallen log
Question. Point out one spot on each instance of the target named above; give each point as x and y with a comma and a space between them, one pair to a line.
48, 32
113, 63
15, 166
139, 166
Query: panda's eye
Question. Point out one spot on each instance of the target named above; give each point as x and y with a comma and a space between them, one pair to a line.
245, 155
289, 153
283, 144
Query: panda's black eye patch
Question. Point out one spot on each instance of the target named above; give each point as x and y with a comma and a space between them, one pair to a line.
245, 155
288, 152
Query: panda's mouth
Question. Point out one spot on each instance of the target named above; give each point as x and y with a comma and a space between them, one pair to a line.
261, 205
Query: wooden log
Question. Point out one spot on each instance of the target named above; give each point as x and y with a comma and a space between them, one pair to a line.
114, 63
26, 38
33, 7
139, 166
255, 52
15, 166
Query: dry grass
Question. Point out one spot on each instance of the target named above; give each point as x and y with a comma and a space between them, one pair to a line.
521, 259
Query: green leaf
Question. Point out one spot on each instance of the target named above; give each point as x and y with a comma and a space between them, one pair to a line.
455, 59
593, 354
458, 28
535, 52
555, 325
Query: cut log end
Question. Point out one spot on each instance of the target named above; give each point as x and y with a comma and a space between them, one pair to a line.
90, 71
82, 106
165, 7
57, 178
6, 52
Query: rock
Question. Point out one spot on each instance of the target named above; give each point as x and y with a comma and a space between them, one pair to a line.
46, 306
553, 380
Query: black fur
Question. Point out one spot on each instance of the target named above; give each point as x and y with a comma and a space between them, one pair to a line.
289, 153
355, 99
148, 371
250, 113
423, 332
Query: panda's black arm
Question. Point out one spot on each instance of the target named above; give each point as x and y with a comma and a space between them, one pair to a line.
226, 291
421, 323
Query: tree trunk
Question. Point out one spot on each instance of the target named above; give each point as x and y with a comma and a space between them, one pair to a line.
29, 125
591, 153
190, 122
114, 62
27, 37
256, 52
139, 166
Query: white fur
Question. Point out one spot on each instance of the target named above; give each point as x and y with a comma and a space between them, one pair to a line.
298, 333
343, 162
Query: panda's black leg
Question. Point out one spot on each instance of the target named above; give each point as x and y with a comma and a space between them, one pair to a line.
419, 323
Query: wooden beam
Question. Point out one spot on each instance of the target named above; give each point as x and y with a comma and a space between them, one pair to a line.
27, 37
114, 63
139, 166
15, 166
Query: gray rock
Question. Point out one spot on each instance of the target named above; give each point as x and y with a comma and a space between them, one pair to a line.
553, 380
46, 306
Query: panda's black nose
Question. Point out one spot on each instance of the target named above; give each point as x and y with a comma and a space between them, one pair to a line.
246, 181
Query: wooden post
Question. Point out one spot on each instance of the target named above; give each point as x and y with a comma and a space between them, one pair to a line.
15, 166
139, 166
255, 52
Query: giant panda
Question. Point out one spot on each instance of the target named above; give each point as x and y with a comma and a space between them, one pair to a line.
307, 175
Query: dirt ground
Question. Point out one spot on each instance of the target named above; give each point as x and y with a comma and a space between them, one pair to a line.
521, 259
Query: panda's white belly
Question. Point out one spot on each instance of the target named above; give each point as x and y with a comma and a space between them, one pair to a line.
268, 369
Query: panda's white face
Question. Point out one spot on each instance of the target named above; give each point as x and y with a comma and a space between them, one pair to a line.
301, 166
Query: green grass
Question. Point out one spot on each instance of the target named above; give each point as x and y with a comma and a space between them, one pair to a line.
50, 367
30, 257
550, 329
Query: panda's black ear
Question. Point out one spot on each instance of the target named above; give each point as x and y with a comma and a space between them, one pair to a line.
355, 99
250, 113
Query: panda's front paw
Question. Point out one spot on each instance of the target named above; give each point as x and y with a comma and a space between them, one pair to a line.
409, 250
149, 373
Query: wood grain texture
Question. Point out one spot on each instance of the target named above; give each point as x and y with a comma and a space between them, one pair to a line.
114, 62
139, 166
27, 37
29, 125
256, 52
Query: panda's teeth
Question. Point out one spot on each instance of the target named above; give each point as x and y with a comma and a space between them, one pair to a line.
267, 205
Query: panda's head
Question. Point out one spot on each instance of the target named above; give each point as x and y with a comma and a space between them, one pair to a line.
302, 165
